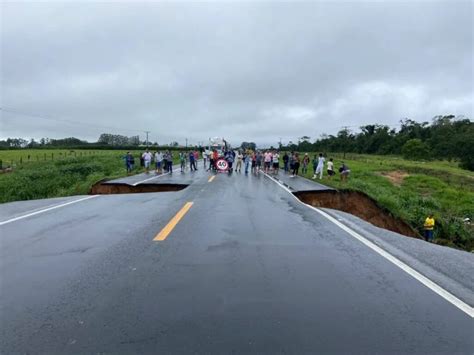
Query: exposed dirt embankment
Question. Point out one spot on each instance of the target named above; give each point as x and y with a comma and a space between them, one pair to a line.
101, 188
359, 205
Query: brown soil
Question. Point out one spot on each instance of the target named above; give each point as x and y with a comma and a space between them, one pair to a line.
102, 188
396, 177
359, 205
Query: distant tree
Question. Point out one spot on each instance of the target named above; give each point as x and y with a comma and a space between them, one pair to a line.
16, 143
465, 148
415, 149
66, 142
118, 140
33, 143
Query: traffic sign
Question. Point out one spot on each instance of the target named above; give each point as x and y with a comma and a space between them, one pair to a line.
222, 165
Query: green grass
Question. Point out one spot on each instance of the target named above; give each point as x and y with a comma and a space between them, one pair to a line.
66, 175
436, 186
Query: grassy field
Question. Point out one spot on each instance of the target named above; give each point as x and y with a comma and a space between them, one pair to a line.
410, 190
58, 173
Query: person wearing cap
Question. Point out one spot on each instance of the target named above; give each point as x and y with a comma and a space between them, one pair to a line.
429, 228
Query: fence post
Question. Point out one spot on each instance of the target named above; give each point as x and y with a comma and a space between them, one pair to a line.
52, 156
21, 160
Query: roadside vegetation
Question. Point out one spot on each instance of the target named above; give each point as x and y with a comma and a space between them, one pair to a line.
411, 189
57, 173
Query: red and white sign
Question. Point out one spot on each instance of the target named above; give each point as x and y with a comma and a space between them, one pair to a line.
222, 165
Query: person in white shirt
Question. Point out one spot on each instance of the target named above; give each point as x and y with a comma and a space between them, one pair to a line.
330, 168
276, 162
320, 167
158, 162
147, 156
240, 158
205, 157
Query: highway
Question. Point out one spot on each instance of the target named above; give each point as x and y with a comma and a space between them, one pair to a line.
231, 264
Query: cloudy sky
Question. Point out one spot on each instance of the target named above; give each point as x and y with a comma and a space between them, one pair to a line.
254, 71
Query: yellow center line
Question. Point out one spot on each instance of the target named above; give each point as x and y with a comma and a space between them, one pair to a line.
211, 178
173, 222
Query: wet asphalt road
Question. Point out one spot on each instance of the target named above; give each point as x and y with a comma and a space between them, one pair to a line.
247, 270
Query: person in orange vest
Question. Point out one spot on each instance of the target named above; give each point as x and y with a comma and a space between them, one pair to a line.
429, 227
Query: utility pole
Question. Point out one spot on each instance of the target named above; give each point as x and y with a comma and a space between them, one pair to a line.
147, 138
186, 143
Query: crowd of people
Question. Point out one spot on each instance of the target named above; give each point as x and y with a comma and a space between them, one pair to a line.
163, 161
268, 161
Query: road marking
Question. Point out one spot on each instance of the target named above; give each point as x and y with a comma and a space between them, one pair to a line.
211, 178
409, 270
46, 210
173, 222
153, 177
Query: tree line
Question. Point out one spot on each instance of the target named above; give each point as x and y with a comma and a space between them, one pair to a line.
105, 141
446, 137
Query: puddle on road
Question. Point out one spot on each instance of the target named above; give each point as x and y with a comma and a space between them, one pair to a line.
359, 205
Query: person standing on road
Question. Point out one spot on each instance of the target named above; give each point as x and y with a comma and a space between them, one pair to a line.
247, 160
165, 161
205, 157
129, 162
330, 169
192, 161
286, 158
276, 162
196, 158
230, 161
147, 156
238, 166
296, 165
158, 162
292, 161
211, 160
215, 157
305, 164
169, 162
256, 161
267, 160
429, 228
182, 161
320, 167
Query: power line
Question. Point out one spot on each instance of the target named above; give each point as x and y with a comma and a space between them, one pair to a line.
49, 118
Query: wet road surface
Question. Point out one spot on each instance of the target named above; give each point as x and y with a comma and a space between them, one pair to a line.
247, 269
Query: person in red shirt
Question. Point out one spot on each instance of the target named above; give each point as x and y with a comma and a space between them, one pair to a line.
215, 157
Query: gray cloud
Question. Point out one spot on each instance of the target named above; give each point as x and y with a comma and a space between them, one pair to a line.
246, 71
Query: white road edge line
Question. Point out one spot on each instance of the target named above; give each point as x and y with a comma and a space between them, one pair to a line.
409, 270
46, 210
